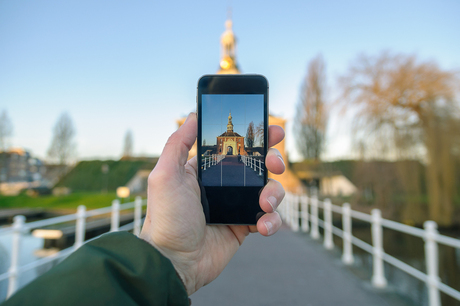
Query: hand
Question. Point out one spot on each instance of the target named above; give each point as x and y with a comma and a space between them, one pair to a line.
175, 223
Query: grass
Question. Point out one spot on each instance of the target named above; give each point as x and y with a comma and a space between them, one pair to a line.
87, 176
71, 201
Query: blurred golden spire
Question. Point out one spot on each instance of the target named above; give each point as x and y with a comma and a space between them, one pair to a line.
228, 63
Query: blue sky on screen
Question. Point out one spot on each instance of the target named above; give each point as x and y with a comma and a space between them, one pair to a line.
115, 65
216, 109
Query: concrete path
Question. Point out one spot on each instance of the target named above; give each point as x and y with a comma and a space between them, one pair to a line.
231, 172
288, 269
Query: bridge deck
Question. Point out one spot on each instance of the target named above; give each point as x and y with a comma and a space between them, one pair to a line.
288, 269
231, 172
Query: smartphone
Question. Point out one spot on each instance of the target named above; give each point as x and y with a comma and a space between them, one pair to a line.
232, 145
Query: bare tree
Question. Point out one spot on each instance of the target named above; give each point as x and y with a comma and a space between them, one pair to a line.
405, 109
62, 146
128, 144
6, 130
311, 117
260, 134
250, 135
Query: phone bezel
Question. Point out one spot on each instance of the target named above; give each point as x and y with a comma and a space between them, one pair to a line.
226, 211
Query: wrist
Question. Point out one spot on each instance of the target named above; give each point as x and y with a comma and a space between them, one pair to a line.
179, 265
189, 285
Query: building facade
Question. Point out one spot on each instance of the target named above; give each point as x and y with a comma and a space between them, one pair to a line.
230, 142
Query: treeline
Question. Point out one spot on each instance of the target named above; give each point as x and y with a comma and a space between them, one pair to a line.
402, 109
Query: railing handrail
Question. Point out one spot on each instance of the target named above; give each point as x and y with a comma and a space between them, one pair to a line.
400, 227
211, 160
291, 205
251, 161
19, 227
67, 218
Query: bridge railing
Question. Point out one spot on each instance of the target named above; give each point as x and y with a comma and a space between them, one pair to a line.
212, 160
303, 208
255, 164
20, 227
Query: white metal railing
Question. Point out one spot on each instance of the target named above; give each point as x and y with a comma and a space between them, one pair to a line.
212, 160
295, 208
254, 163
20, 227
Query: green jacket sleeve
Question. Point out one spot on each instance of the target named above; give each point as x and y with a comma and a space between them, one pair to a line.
115, 269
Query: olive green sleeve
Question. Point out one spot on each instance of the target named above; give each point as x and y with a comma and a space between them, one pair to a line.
115, 269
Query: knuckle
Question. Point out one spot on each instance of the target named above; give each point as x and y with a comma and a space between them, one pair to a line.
156, 176
173, 139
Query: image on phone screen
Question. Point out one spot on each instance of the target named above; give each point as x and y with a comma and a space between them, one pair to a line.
232, 140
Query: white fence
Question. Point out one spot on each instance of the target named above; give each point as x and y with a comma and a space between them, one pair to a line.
19, 228
212, 160
253, 163
295, 208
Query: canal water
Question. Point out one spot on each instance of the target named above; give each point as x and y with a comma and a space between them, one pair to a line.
29, 244
410, 250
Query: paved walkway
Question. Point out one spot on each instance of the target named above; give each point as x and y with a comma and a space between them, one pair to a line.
231, 172
288, 269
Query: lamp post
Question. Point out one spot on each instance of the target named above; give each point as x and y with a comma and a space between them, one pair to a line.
123, 192
105, 171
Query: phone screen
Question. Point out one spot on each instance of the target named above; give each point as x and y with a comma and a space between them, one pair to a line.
232, 145
232, 140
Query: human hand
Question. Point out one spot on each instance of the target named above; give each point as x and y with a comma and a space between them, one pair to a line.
175, 223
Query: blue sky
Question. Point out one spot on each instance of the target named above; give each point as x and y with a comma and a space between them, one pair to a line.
118, 65
244, 109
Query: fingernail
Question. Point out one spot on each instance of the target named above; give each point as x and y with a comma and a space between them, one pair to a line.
269, 227
272, 201
280, 157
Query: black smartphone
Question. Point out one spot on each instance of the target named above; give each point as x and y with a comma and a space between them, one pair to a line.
232, 145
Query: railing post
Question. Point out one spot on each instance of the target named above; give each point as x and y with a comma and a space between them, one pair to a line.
204, 166
18, 228
260, 167
295, 213
291, 210
115, 216
286, 208
378, 277
347, 256
328, 242
304, 213
314, 216
137, 215
431, 258
80, 226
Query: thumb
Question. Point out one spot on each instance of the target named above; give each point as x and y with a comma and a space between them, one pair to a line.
175, 152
